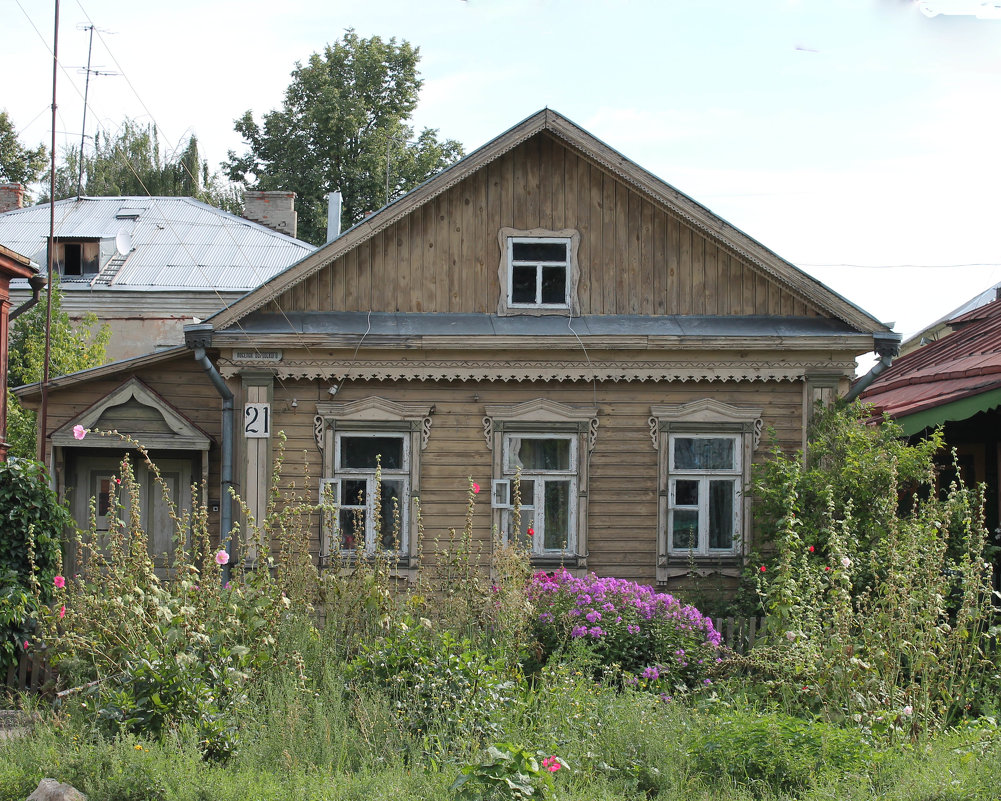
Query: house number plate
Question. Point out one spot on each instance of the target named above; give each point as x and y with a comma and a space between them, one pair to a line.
257, 420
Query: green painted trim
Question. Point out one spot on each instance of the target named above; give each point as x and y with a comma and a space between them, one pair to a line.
957, 410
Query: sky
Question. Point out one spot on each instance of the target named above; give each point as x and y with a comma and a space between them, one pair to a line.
858, 139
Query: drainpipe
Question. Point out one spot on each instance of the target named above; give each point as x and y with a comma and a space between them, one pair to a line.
198, 337
887, 346
37, 284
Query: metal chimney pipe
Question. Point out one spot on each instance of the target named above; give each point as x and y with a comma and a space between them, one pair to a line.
333, 216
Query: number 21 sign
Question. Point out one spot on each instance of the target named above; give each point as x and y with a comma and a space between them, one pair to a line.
257, 420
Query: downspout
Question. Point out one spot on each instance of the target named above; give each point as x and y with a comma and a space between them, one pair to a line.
37, 284
198, 337
887, 346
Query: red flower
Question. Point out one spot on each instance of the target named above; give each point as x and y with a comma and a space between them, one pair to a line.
530, 531
811, 549
762, 568
62, 612
476, 488
826, 569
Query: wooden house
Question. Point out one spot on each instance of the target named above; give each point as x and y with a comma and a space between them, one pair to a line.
544, 308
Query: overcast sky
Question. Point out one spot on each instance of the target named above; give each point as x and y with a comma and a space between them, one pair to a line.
859, 139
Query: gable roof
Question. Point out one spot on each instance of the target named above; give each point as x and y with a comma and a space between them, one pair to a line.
949, 379
173, 243
547, 120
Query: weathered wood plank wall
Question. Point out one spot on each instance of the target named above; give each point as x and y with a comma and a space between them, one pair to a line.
635, 257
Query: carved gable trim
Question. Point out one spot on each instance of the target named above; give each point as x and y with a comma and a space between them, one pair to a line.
540, 410
184, 435
373, 410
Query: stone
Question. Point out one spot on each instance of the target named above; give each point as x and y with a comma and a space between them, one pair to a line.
51, 790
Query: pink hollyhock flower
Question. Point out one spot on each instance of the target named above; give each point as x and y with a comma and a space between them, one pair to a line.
222, 558
59, 581
62, 612
552, 764
476, 488
79, 432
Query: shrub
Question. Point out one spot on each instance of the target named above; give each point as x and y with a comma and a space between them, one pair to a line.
32, 521
775, 753
625, 624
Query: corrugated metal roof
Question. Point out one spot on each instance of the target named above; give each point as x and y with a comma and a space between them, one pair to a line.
967, 362
176, 242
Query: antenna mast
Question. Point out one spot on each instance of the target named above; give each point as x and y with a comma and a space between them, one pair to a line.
83, 128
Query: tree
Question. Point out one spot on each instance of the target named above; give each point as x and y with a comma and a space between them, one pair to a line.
71, 349
342, 125
132, 162
18, 163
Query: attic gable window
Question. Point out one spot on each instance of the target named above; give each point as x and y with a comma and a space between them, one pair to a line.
538, 272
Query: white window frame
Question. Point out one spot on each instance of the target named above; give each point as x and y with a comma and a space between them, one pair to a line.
374, 417
343, 474
543, 418
539, 266
704, 477
507, 238
710, 419
534, 513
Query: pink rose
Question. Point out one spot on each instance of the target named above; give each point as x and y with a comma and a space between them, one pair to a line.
222, 558
79, 432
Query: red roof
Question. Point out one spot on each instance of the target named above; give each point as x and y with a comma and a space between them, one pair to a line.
964, 363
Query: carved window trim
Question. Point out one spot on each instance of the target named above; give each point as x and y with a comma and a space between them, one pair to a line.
373, 415
703, 417
540, 417
504, 305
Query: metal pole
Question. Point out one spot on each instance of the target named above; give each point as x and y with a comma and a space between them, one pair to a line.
43, 415
83, 128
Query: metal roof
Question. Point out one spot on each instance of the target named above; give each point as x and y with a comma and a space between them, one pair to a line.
423, 324
965, 363
173, 243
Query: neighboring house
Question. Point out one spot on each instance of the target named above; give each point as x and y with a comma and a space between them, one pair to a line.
954, 382
941, 327
12, 266
147, 266
544, 308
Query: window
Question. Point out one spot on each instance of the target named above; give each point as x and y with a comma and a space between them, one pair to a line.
704, 508
538, 271
358, 438
77, 259
541, 449
547, 466
370, 514
705, 460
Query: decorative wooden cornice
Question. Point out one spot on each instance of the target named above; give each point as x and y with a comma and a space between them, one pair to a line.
529, 371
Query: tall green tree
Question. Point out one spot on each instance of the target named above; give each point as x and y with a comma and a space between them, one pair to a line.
343, 126
72, 347
18, 163
132, 162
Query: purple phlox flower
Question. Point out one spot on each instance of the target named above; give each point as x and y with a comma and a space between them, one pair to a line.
651, 673
596, 631
632, 628
593, 616
707, 682
578, 631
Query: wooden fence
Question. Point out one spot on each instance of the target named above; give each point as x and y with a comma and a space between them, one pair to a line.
31, 674
739, 633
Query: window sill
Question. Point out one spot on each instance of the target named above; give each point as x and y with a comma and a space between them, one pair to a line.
549, 562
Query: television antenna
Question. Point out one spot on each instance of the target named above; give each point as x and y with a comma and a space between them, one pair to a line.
86, 92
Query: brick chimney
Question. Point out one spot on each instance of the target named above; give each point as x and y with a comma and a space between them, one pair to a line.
11, 197
276, 210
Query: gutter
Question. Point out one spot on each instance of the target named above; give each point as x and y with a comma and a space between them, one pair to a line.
198, 337
887, 346
37, 284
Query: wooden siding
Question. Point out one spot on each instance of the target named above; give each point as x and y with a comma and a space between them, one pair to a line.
622, 514
635, 257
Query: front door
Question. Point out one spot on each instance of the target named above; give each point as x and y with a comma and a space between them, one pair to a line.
97, 480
